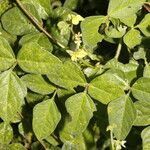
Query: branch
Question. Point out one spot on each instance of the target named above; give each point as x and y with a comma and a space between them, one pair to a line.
35, 22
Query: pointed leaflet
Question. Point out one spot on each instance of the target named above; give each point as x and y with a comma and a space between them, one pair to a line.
121, 113
80, 107
144, 25
36, 83
16, 23
7, 57
132, 38
143, 113
141, 89
12, 93
38, 38
42, 6
145, 138
16, 146
45, 118
6, 133
68, 76
103, 88
124, 8
90, 27
32, 58
129, 69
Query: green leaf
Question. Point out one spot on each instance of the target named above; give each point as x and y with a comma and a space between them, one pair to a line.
124, 8
146, 72
38, 38
4, 6
12, 93
80, 107
144, 25
16, 23
9, 37
7, 57
143, 113
16, 146
103, 89
36, 83
71, 4
132, 38
45, 118
129, 21
141, 89
145, 138
68, 76
32, 58
116, 32
90, 27
42, 6
129, 69
121, 113
6, 133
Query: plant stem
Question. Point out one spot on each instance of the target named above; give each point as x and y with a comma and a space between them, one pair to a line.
111, 139
35, 22
118, 49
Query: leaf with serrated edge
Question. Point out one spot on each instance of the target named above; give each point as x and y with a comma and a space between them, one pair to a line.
7, 57
12, 93
103, 89
121, 114
46, 116
141, 89
36, 83
143, 113
6, 133
145, 138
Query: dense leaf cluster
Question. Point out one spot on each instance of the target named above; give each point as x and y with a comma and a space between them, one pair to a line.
74, 74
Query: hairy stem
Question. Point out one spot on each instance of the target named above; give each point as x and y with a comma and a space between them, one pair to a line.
118, 49
35, 22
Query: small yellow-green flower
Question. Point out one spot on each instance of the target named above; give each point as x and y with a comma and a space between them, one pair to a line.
75, 19
79, 54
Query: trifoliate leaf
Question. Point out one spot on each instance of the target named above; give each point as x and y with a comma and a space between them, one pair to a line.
141, 89
132, 38
80, 107
12, 93
36, 83
68, 76
121, 113
145, 25
7, 57
34, 59
16, 23
90, 27
45, 118
38, 38
16, 146
43, 7
103, 88
6, 133
124, 8
145, 138
143, 113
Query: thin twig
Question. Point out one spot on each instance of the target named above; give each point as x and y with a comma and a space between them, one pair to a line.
118, 49
34, 20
